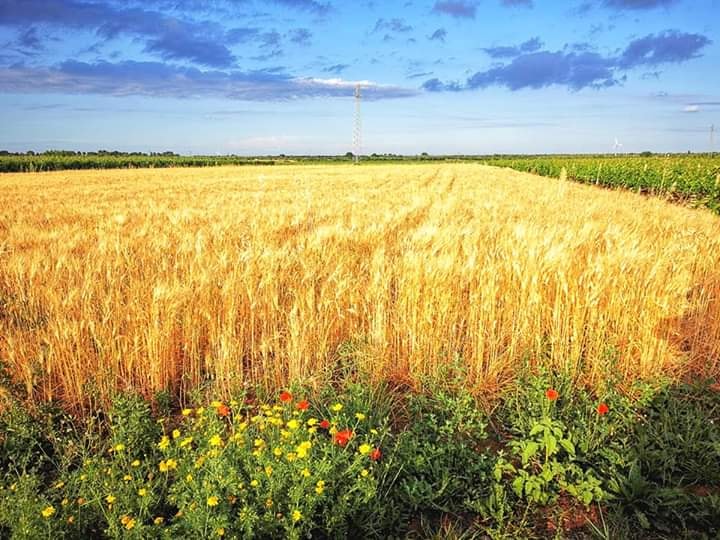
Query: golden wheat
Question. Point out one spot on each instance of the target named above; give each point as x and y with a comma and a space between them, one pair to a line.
167, 279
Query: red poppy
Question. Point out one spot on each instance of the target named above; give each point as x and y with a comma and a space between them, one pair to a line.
376, 454
303, 405
324, 424
552, 394
602, 409
342, 437
285, 397
223, 410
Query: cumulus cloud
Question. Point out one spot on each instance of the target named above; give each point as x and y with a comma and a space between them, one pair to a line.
510, 51
157, 79
579, 69
456, 8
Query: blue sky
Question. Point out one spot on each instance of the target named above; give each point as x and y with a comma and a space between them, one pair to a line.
439, 76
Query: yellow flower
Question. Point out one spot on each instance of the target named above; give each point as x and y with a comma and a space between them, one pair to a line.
312, 421
365, 449
269, 503
296, 515
268, 470
142, 492
364, 473
305, 472
277, 451
65, 502
168, 465
119, 447
259, 442
302, 449
221, 532
158, 520
71, 520
254, 483
48, 511
130, 524
185, 442
293, 424
58, 485
374, 431
216, 440
320, 487
127, 477
200, 410
213, 501
164, 442
124, 519
186, 412
291, 456
110, 499
312, 429
135, 463
284, 434
176, 433
215, 404
337, 407
360, 416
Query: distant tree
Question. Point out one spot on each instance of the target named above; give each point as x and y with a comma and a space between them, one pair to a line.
349, 155
646, 153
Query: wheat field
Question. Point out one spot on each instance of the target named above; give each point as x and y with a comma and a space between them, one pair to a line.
176, 278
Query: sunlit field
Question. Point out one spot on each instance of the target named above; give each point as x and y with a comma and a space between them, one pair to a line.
174, 278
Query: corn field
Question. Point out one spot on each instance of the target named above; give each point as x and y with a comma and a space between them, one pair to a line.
170, 279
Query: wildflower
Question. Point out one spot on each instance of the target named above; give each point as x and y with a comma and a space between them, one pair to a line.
268, 470
304, 405
59, 484
325, 424
360, 416
312, 421
186, 441
215, 440
223, 410
312, 429
277, 451
164, 442
603, 409
254, 483
285, 397
110, 499
135, 463
293, 424
213, 501
48, 511
200, 410
185, 412
284, 433
364, 473
296, 515
80, 501
320, 487
71, 520
374, 431
127, 477
269, 503
189, 478
176, 434
119, 447
220, 532
337, 407
552, 394
65, 502
364, 449
305, 472
158, 520
302, 449
124, 519
168, 465
291, 456
342, 437
376, 454
142, 492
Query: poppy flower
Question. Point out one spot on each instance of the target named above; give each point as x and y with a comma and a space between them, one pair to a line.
376, 454
342, 437
303, 405
285, 397
223, 410
602, 409
552, 394
324, 424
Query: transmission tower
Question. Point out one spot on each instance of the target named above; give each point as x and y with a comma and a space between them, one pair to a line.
712, 138
357, 131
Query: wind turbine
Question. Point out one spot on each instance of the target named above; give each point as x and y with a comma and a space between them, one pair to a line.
616, 146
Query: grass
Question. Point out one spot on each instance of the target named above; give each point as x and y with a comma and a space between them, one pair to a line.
174, 279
